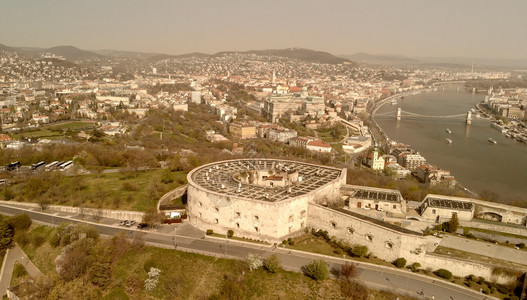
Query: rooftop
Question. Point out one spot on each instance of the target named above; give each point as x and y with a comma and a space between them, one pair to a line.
370, 193
449, 203
221, 177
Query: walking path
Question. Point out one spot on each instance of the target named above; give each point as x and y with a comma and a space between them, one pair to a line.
13, 255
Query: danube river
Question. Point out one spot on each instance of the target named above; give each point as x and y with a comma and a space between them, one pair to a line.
476, 163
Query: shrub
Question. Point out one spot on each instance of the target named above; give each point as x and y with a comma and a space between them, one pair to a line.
22, 239
400, 262
503, 290
486, 290
37, 240
254, 261
471, 278
210, 231
20, 222
348, 270
481, 280
149, 264
153, 279
9, 194
415, 267
351, 289
272, 263
317, 269
54, 240
322, 233
444, 273
230, 233
427, 231
127, 186
453, 224
359, 250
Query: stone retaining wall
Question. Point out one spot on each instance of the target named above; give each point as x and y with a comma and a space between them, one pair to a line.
104, 213
462, 268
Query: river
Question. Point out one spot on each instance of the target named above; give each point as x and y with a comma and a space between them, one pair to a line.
476, 163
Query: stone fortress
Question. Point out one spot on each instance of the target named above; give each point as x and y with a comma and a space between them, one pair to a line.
273, 199
263, 199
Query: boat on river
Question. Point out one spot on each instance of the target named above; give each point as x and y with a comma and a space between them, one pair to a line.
448, 130
449, 141
493, 141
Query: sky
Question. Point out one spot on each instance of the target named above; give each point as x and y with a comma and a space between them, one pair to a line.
414, 28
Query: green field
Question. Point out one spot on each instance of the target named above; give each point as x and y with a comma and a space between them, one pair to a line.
55, 131
138, 192
75, 125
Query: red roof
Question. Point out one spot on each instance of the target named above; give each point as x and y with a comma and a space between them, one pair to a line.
5, 138
294, 89
319, 143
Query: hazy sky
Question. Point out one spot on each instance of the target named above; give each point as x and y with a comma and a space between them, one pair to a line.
476, 28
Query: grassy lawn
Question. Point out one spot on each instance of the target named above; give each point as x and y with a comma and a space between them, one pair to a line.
43, 256
42, 133
138, 192
75, 125
186, 275
311, 243
55, 131
19, 274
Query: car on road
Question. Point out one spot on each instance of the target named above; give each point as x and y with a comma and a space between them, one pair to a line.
130, 223
123, 222
142, 225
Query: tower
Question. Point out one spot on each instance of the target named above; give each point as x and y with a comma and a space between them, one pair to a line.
273, 80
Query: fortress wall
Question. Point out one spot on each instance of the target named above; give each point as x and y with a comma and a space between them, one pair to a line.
382, 242
463, 268
267, 221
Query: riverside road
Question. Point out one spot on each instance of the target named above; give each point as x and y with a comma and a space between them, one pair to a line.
187, 239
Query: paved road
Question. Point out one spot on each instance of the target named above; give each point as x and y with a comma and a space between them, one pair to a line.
485, 248
372, 275
13, 255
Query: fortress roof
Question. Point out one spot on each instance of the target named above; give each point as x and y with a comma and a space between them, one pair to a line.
221, 177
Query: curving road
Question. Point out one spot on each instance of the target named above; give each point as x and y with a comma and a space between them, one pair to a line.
189, 240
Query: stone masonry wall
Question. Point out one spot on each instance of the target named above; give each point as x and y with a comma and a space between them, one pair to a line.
383, 242
105, 213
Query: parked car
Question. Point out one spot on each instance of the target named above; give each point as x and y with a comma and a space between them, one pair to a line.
123, 222
142, 225
131, 223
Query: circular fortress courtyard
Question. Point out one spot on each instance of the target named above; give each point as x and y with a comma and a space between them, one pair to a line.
262, 199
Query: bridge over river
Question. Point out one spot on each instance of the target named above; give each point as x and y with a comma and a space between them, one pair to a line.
399, 114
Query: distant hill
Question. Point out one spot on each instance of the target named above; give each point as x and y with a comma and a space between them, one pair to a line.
58, 62
380, 59
6, 48
305, 55
71, 53
167, 56
126, 54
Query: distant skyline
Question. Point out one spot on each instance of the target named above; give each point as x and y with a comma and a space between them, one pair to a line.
414, 28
